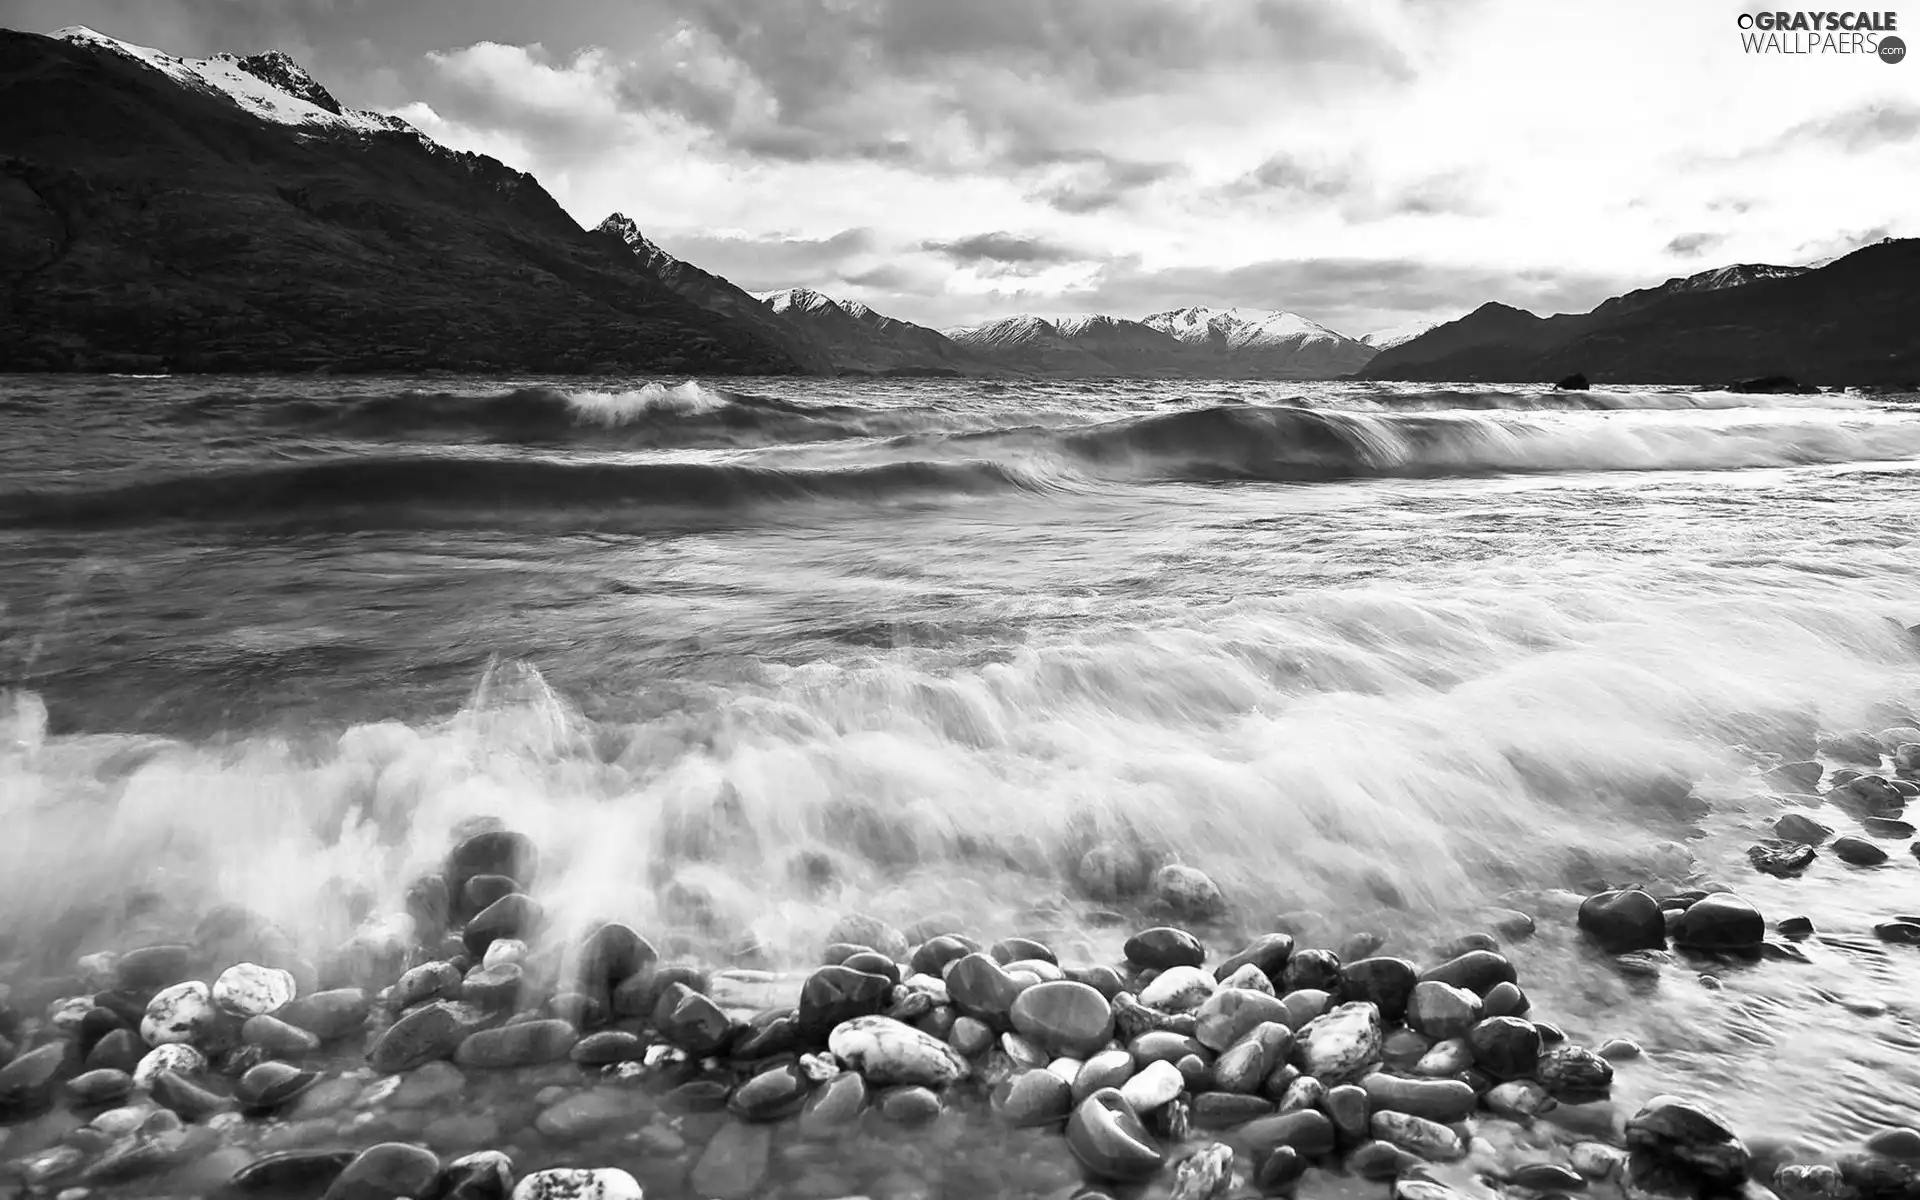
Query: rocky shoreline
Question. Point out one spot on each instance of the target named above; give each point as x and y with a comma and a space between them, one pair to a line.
472, 1047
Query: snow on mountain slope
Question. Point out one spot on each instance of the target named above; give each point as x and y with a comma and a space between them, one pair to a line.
270, 86
1265, 341
861, 339
1386, 339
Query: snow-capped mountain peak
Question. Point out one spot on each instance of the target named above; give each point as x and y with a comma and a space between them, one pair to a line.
1237, 327
1386, 339
269, 86
798, 299
627, 230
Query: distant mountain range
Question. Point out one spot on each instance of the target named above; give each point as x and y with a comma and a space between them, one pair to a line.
159, 213
1851, 321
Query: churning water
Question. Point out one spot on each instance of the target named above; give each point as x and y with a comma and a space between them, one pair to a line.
743, 657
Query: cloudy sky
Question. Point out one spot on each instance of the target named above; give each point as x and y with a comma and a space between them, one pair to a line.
1367, 163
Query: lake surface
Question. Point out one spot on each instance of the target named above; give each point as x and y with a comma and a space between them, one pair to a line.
745, 655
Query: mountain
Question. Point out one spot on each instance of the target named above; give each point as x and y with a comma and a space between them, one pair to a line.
713, 293
1279, 345
1190, 342
1387, 339
1849, 322
860, 340
159, 213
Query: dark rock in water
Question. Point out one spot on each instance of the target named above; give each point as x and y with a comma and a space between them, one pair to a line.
911, 1106
1269, 952
834, 1105
1876, 1178
295, 1172
1505, 1047
1773, 385
1279, 1170
1901, 1142
1112, 872
388, 1171
514, 916
1063, 1018
697, 1096
150, 968
425, 1034
1033, 1098
1318, 970
188, 1100
1801, 776
1349, 1107
1721, 921
1441, 1010
428, 981
1017, 949
771, 1095
496, 852
483, 891
640, 994
1905, 933
692, 1022
485, 1175
1858, 851
860, 929
1575, 382
1573, 1073
768, 1033
1796, 927
497, 987
835, 994
1623, 921
933, 955
1307, 1131
517, 1045
610, 955
1188, 893
872, 962
1478, 971
328, 1015
1856, 745
1109, 1140
27, 1082
1547, 1177
607, 1047
1799, 827
1442, 1100
101, 1086
1164, 946
1780, 857
1680, 1133
1887, 827
1384, 1162
272, 1084
1224, 1110
1384, 982
982, 989
120, 1050
1505, 1000
1101, 978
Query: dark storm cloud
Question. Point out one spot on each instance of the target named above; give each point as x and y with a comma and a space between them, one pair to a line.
1096, 181
1691, 245
1002, 248
1289, 179
1347, 294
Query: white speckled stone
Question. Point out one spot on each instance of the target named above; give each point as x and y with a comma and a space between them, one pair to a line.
579, 1183
177, 1057
251, 990
886, 1051
178, 1014
65, 1014
1178, 990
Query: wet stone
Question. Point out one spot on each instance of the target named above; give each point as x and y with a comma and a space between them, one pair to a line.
1721, 921
1858, 851
524, 1044
513, 916
1318, 970
330, 1014
1679, 1132
1110, 1142
1385, 982
1623, 921
389, 1171
579, 1183
771, 1095
859, 929
1163, 947
692, 1021
832, 995
292, 1171
1505, 1047
1340, 1046
1476, 971
982, 989
1267, 953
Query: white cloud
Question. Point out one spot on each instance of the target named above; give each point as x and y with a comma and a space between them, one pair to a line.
1591, 143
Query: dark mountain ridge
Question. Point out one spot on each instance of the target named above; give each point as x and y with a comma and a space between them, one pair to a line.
147, 223
1851, 322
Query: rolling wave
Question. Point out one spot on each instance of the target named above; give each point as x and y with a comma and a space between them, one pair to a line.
442, 484
1218, 444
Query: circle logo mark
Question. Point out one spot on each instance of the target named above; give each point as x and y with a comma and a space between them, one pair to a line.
1892, 50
